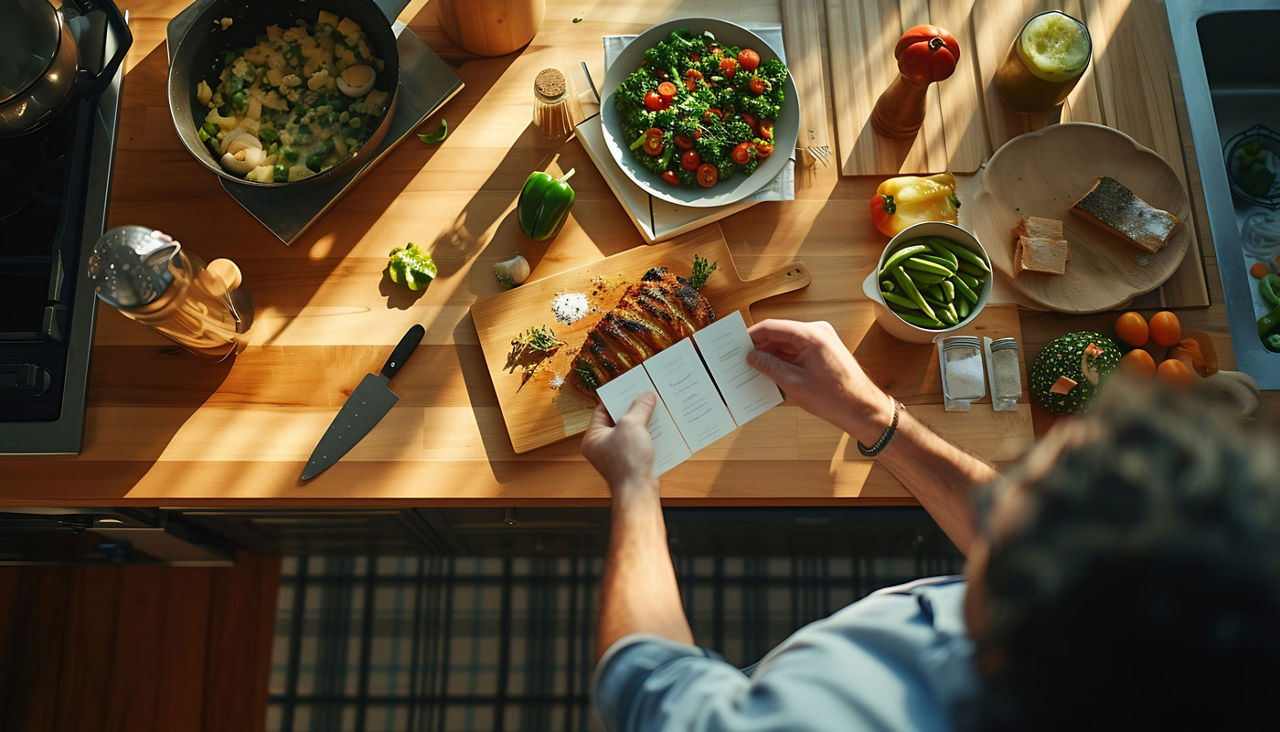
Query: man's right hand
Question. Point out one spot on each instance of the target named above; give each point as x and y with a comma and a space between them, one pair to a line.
811, 364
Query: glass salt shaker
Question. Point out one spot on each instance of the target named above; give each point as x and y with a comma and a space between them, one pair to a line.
1004, 373
147, 276
960, 361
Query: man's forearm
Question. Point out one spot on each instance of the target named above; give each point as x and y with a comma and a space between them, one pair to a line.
639, 593
937, 473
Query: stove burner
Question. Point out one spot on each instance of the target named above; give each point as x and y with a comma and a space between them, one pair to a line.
33, 179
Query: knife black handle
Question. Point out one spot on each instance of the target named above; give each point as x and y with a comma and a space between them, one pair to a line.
404, 349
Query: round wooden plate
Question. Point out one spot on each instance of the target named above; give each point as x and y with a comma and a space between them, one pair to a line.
1043, 173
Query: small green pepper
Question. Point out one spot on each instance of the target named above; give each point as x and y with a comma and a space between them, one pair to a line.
1269, 323
1269, 286
411, 267
544, 205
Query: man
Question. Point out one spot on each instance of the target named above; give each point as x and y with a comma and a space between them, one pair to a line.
1125, 576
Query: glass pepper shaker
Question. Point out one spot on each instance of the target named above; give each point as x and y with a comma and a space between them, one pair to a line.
145, 274
556, 109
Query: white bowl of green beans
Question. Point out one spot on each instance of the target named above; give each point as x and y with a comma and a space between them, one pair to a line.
932, 278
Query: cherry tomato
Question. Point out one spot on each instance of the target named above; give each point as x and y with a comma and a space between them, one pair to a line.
683, 142
691, 78
756, 85
666, 90
766, 129
741, 154
706, 116
707, 175
716, 51
751, 121
748, 59
653, 141
763, 150
670, 177
689, 160
694, 57
728, 67
653, 102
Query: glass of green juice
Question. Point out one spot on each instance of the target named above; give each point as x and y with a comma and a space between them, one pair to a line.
1047, 58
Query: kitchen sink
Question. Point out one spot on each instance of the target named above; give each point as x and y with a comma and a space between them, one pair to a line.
1225, 53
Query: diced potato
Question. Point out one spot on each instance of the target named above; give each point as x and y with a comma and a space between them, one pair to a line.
250, 125
375, 99
226, 123
291, 80
258, 54
275, 77
255, 108
326, 17
362, 49
274, 33
349, 28
320, 80
272, 100
262, 174
298, 172
203, 93
340, 146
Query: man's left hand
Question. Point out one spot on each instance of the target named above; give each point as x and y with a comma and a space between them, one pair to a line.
622, 453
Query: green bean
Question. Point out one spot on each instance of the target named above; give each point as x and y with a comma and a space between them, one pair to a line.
924, 265
926, 278
887, 286
940, 261
972, 269
969, 280
962, 308
892, 298
948, 290
909, 288
966, 292
919, 320
902, 255
964, 253
943, 252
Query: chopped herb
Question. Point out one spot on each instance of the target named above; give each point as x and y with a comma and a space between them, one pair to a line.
411, 267
540, 338
577, 20
702, 269
583, 369
437, 136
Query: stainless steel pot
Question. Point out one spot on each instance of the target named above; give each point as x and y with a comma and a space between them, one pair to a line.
40, 65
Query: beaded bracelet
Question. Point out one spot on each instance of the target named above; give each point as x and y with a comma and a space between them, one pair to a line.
889, 432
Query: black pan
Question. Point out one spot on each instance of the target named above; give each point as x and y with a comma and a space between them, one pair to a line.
200, 49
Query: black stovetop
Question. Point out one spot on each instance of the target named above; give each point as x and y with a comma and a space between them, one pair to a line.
54, 185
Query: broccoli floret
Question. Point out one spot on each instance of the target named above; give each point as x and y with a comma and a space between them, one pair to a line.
687, 177
737, 128
686, 127
773, 71
751, 165
710, 149
638, 118
726, 168
665, 119
761, 107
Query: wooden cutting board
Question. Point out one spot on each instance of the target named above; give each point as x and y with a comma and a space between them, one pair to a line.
537, 414
862, 37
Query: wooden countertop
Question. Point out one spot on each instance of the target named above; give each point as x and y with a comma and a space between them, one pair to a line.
163, 428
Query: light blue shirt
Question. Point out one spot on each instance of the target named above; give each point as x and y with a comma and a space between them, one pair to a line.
899, 659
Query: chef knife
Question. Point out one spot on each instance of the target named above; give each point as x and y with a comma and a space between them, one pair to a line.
366, 406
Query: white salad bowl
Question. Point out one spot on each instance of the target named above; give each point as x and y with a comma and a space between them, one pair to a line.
786, 128
889, 320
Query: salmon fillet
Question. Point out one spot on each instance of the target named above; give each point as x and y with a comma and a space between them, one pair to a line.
1115, 208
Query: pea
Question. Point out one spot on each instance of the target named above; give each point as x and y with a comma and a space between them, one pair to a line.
280, 173
315, 160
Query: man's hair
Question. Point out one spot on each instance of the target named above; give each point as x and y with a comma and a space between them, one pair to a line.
1142, 590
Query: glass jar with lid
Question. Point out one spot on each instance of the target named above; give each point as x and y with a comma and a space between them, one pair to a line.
1044, 63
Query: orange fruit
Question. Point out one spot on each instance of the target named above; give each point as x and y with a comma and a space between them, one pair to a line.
1165, 329
1132, 329
1174, 372
1139, 363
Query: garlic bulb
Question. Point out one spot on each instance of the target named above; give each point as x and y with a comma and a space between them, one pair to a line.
512, 272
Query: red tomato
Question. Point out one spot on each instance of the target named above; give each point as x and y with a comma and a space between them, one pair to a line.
741, 154
653, 141
766, 129
689, 160
707, 175
763, 150
748, 59
707, 115
693, 57
683, 142
751, 121
728, 67
716, 51
691, 78
666, 90
670, 177
756, 85
653, 102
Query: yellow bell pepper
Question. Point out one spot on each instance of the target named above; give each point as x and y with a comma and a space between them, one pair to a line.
909, 199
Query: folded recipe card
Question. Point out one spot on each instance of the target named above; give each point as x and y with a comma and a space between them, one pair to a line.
701, 398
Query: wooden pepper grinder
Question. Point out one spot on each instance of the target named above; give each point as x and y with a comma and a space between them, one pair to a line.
925, 54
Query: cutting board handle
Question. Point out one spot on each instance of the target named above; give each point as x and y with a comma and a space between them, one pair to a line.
788, 279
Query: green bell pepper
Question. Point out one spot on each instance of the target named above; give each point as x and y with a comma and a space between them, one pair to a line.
1269, 286
544, 205
411, 267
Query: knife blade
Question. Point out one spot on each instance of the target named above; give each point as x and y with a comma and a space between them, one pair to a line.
366, 406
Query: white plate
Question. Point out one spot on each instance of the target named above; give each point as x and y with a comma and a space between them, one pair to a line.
786, 128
